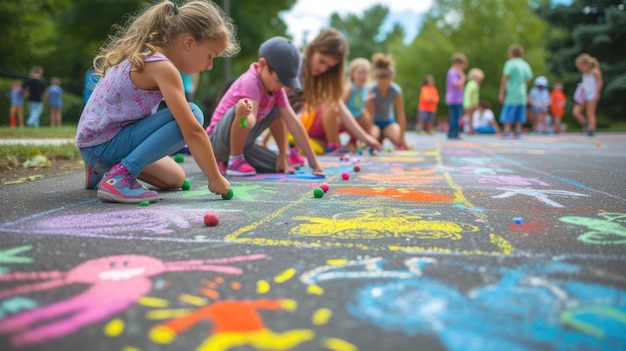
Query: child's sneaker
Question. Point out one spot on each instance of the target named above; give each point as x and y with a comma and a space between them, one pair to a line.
295, 159
240, 167
517, 135
505, 135
591, 132
221, 166
91, 178
118, 185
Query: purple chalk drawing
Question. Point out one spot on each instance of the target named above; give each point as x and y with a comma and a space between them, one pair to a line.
511, 180
147, 223
115, 283
484, 170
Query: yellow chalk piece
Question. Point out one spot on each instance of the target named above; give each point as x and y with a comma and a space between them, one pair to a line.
336, 344
114, 328
337, 262
162, 335
315, 290
321, 316
262, 287
130, 348
193, 300
167, 314
153, 302
285, 275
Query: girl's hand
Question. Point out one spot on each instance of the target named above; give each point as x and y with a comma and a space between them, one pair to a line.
282, 164
219, 185
372, 142
319, 171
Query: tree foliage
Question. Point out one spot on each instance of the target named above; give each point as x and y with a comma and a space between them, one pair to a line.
596, 27
364, 33
482, 30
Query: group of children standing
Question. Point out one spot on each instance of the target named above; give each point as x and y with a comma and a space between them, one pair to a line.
518, 104
34, 90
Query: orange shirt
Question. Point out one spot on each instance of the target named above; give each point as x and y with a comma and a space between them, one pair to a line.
429, 98
557, 106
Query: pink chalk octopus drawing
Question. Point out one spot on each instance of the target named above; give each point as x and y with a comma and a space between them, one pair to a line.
115, 283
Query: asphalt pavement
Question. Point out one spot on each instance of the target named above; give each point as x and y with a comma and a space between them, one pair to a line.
473, 244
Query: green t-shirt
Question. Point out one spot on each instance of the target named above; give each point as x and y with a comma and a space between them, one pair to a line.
518, 72
471, 94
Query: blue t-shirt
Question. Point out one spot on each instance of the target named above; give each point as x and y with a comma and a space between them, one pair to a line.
55, 96
383, 106
357, 100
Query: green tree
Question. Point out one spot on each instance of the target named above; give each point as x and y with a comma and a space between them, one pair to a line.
598, 28
482, 30
364, 34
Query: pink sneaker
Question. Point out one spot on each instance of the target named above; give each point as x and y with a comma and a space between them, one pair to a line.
295, 159
221, 166
240, 168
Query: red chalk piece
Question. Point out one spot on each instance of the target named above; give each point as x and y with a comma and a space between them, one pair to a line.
325, 187
357, 168
211, 219
345, 175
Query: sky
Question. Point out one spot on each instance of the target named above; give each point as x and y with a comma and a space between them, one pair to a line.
313, 15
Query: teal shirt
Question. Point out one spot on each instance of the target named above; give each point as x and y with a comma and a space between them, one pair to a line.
518, 72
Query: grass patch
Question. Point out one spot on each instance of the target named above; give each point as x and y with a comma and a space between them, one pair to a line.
20, 152
64, 132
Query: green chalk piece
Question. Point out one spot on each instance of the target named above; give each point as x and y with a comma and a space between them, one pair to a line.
243, 122
229, 195
318, 192
186, 185
179, 158
144, 203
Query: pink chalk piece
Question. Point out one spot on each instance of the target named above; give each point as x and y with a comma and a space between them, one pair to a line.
341, 158
325, 187
211, 219
345, 175
357, 168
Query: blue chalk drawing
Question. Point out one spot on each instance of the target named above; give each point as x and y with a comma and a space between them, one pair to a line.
542, 305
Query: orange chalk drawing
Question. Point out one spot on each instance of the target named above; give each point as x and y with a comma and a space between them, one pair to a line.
397, 194
412, 176
236, 323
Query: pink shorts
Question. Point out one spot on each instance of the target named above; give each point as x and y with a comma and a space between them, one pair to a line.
317, 129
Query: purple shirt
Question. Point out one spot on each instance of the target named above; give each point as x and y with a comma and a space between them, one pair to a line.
248, 85
114, 103
454, 95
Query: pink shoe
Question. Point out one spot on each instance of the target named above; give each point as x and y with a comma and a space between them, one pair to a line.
221, 166
295, 159
240, 168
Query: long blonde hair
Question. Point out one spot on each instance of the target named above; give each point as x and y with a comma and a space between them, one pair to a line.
588, 59
328, 86
158, 25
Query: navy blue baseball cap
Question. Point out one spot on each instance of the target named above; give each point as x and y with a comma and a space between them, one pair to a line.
285, 59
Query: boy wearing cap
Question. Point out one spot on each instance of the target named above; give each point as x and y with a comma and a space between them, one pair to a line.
254, 102
539, 101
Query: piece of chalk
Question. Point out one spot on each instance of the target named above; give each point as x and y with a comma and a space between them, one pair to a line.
179, 158
518, 220
186, 185
228, 195
144, 203
318, 192
325, 187
357, 168
211, 219
345, 175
